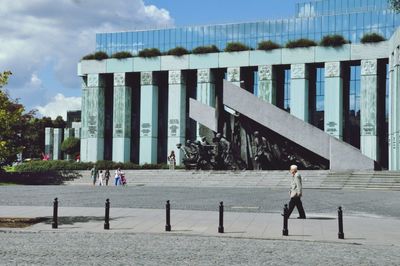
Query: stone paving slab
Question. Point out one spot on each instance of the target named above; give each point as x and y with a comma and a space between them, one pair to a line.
317, 227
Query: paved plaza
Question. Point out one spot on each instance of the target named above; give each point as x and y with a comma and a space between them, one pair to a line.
253, 226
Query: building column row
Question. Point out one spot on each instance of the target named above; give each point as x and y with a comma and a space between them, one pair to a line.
92, 144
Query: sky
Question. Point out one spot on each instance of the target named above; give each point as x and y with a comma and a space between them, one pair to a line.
41, 41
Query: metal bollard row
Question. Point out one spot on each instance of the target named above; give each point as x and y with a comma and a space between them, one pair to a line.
285, 230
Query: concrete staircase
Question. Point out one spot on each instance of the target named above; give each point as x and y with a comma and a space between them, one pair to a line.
267, 179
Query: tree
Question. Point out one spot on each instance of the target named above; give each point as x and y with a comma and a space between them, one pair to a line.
4, 78
71, 146
59, 122
11, 124
395, 4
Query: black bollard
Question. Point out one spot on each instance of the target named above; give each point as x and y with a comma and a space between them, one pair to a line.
54, 224
340, 221
107, 216
168, 217
285, 231
221, 218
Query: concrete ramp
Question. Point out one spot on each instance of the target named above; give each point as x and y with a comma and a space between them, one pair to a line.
203, 114
342, 156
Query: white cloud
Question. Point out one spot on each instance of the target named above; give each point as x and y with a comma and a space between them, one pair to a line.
35, 81
59, 105
35, 33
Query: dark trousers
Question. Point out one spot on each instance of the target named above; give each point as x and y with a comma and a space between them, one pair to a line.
296, 201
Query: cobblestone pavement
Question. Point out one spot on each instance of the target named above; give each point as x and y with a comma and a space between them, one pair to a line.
364, 202
59, 248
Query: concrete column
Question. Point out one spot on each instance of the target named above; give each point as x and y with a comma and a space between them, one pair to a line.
233, 75
267, 84
92, 142
176, 112
333, 101
205, 91
299, 91
394, 112
49, 142
77, 132
148, 118
121, 119
68, 133
58, 138
368, 108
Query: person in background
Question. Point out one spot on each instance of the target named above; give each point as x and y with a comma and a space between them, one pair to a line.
117, 177
101, 178
172, 160
93, 174
107, 176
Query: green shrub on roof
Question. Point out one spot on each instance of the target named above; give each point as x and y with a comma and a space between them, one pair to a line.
205, 49
372, 38
178, 51
300, 43
236, 47
96, 56
149, 52
267, 45
334, 40
122, 55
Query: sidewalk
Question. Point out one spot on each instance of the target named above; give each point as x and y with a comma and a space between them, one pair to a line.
317, 227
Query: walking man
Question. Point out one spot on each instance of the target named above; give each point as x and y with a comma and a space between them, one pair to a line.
296, 193
94, 174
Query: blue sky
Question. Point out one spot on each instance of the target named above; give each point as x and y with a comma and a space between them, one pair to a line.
41, 41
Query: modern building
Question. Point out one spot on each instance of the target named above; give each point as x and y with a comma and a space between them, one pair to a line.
73, 117
137, 109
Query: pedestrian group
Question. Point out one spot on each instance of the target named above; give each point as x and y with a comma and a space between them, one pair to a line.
102, 177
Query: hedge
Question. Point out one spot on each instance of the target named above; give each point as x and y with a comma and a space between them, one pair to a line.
372, 38
333, 41
300, 43
46, 166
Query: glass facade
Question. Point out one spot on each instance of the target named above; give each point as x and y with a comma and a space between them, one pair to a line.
286, 90
354, 93
313, 20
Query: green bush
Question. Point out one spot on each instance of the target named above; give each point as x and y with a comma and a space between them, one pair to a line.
372, 38
267, 45
71, 146
236, 47
334, 40
178, 51
205, 49
96, 56
300, 43
149, 52
122, 55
